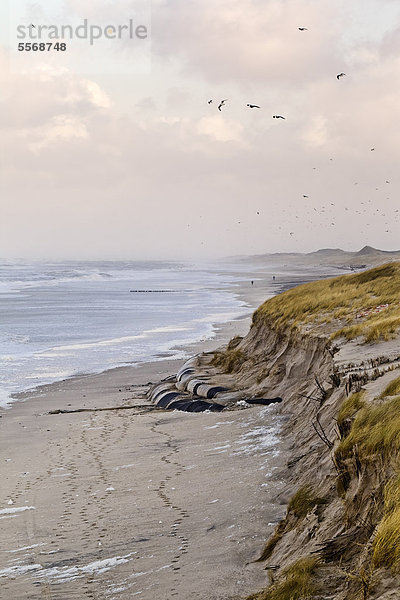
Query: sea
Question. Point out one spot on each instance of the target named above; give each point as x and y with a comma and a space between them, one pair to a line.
59, 319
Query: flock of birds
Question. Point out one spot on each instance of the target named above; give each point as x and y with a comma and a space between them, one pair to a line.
250, 105
222, 104
365, 208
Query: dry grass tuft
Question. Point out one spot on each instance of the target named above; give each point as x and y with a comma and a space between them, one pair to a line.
350, 407
300, 505
387, 539
304, 501
393, 389
271, 544
229, 361
234, 342
374, 438
375, 432
297, 583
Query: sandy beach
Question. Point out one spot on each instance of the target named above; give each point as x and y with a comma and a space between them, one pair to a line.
114, 504
136, 502
126, 500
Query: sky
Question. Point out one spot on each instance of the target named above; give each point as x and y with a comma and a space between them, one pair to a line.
112, 151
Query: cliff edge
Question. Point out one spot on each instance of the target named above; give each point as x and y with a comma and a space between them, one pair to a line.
331, 350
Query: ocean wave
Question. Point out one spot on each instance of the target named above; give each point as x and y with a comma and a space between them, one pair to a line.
15, 275
92, 345
167, 329
94, 324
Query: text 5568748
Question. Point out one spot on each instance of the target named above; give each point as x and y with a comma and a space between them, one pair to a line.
42, 47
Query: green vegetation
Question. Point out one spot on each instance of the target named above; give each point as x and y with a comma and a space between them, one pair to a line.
230, 360
374, 438
297, 583
342, 298
393, 389
348, 411
375, 432
303, 502
370, 444
272, 542
234, 343
350, 407
387, 539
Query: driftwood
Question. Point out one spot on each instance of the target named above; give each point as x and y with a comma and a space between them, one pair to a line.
64, 411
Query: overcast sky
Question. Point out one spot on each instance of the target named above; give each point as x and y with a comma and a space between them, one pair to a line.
128, 159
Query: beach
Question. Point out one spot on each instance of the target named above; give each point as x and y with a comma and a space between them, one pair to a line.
123, 500
113, 504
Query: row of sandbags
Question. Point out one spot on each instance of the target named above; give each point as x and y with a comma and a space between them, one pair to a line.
166, 395
189, 393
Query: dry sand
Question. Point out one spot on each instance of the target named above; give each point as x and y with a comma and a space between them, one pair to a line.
126, 503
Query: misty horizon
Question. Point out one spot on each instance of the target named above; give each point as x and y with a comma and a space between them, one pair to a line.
131, 160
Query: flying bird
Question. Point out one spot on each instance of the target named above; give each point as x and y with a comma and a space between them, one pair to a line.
252, 106
305, 196
340, 75
303, 29
372, 149
209, 102
278, 117
222, 103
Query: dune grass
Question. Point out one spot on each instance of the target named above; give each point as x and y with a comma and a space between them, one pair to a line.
230, 360
386, 551
375, 432
350, 407
300, 504
375, 437
272, 542
343, 298
297, 583
304, 501
393, 389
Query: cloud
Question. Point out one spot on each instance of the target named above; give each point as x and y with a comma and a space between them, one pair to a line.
316, 133
144, 167
250, 40
220, 129
59, 128
51, 92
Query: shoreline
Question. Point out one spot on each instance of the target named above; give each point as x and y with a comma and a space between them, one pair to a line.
252, 295
223, 332
114, 503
